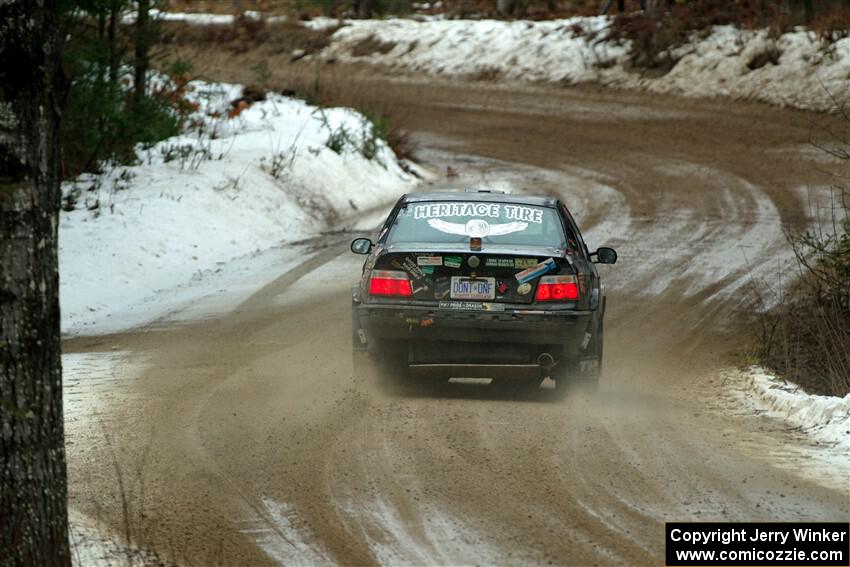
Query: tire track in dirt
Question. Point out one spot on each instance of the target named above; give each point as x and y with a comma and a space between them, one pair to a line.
258, 424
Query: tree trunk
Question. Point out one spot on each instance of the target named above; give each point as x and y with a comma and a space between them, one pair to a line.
505, 7
364, 8
33, 485
142, 62
112, 38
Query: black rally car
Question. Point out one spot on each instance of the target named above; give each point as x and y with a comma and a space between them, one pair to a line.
481, 284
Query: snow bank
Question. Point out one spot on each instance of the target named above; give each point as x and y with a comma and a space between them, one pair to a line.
201, 18
570, 51
824, 418
233, 186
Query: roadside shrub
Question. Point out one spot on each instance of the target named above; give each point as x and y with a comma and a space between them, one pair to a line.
655, 35
806, 337
332, 90
832, 25
103, 119
103, 122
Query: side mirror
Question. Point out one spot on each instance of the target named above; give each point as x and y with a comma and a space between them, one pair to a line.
361, 245
605, 255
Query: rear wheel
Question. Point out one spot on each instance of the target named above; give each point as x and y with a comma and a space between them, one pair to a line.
581, 372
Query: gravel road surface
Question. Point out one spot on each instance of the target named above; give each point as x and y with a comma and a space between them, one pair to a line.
244, 438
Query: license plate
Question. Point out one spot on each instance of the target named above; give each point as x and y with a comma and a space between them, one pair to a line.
476, 289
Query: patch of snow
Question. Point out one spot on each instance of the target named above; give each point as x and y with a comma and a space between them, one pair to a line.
230, 188
321, 23
809, 435
433, 538
278, 537
201, 18
87, 378
93, 545
806, 74
826, 419
90, 382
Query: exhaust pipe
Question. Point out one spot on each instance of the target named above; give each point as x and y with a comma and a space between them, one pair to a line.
546, 361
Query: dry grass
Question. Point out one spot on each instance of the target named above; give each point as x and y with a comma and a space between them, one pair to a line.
276, 7
247, 34
370, 46
272, 57
655, 36
328, 85
530, 9
832, 25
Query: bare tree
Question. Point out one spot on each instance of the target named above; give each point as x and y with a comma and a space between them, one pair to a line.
143, 40
33, 485
114, 56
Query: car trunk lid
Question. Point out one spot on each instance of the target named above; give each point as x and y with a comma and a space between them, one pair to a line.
499, 276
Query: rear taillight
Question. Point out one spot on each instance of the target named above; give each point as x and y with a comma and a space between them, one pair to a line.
388, 282
557, 288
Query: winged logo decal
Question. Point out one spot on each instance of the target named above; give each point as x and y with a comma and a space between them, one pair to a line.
477, 228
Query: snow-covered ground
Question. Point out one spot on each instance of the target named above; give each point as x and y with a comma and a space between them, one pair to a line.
231, 187
807, 73
826, 419
201, 18
814, 431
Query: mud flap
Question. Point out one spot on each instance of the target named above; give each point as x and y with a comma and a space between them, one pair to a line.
359, 340
589, 362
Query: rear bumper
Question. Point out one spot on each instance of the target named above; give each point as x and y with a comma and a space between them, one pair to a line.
515, 335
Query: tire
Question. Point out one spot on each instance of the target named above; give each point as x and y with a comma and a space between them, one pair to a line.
582, 373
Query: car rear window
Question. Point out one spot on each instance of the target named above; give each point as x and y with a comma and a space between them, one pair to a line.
458, 221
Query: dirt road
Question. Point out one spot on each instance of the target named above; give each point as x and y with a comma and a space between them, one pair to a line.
243, 438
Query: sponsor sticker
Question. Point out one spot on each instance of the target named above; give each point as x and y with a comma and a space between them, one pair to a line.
502, 287
429, 260
522, 263
410, 267
543, 267
442, 288
427, 269
471, 306
500, 262
452, 261
523, 289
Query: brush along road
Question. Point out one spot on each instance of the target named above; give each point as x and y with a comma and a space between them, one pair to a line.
246, 440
